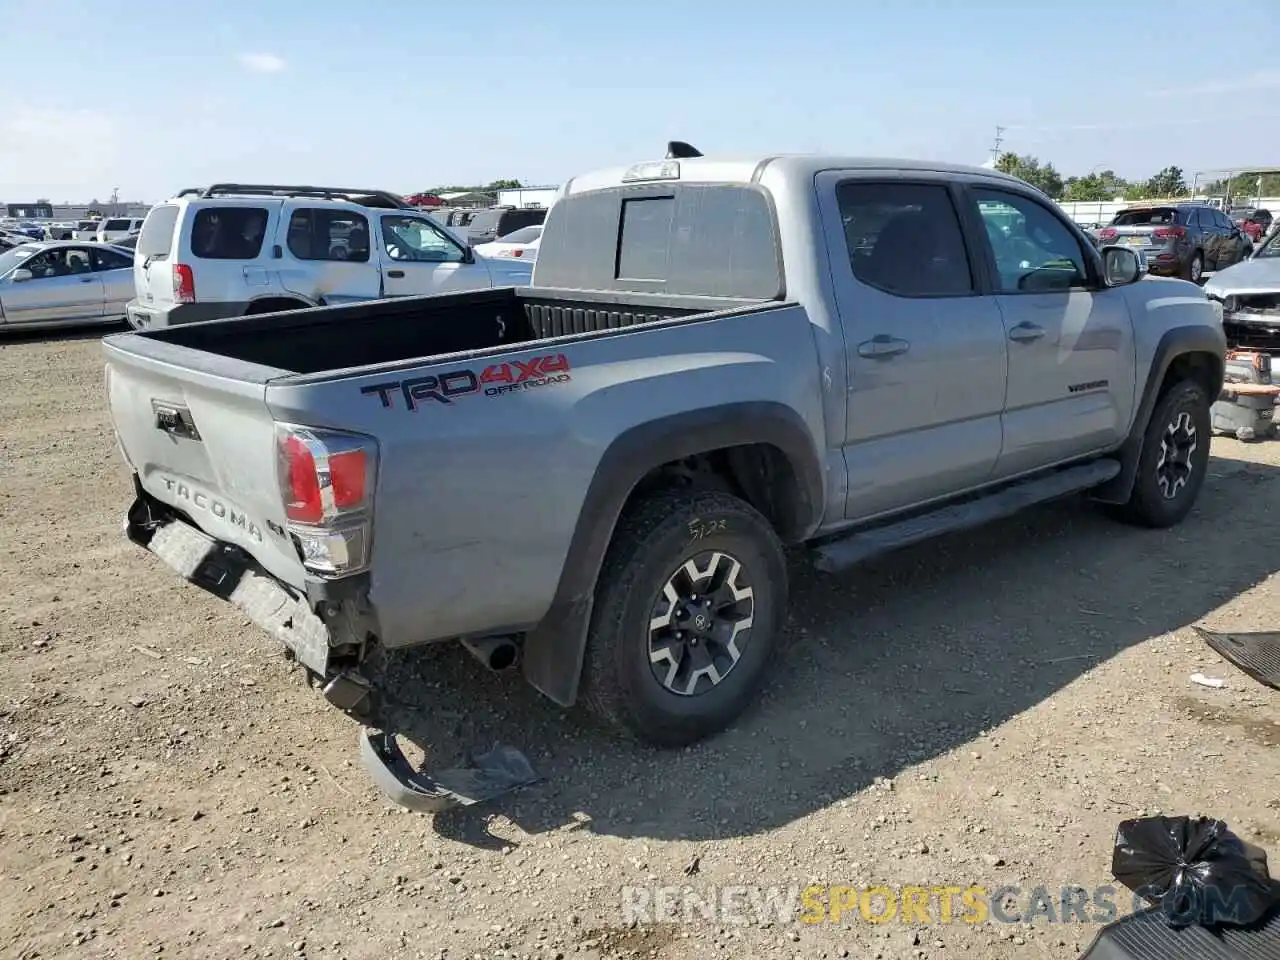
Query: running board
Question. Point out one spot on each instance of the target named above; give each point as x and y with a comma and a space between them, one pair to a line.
844, 553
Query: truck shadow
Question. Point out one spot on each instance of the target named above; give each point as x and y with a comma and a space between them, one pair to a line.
12, 336
889, 665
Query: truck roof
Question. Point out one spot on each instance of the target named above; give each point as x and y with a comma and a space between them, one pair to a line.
748, 169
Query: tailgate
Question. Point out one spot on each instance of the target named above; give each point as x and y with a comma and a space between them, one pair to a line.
196, 430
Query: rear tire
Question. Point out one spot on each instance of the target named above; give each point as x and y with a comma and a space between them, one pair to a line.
1195, 268
688, 609
1174, 458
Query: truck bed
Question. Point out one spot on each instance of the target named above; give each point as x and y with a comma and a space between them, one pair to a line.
386, 331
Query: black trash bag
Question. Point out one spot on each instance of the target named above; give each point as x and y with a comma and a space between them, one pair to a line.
1196, 870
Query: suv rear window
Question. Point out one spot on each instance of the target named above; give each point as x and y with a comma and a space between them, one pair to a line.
1155, 216
117, 224
156, 239
513, 220
228, 233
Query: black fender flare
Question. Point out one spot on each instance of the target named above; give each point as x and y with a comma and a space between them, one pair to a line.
554, 649
1175, 342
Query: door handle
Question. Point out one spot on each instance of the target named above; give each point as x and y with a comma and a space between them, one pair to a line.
86, 279
1026, 332
395, 274
881, 346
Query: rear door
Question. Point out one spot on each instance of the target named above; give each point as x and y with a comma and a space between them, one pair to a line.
925, 348
1070, 339
418, 257
327, 256
115, 271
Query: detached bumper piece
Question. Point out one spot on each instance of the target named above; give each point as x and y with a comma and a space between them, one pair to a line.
1257, 654
1246, 410
490, 775
229, 573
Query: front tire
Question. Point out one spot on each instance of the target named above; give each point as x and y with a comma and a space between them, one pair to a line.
1174, 458
1195, 267
688, 609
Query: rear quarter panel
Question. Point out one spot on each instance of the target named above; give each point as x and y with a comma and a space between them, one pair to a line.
477, 499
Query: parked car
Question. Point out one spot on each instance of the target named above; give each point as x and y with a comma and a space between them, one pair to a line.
520, 244
57, 283
1186, 240
128, 243
87, 230
117, 228
236, 249
1250, 297
1253, 221
594, 477
488, 225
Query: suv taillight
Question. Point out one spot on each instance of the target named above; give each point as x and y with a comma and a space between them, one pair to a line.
327, 481
1110, 233
1169, 233
184, 284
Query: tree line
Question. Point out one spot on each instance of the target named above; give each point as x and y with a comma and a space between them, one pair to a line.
484, 188
1107, 185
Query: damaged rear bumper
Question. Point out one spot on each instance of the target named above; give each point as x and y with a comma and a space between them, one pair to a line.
289, 616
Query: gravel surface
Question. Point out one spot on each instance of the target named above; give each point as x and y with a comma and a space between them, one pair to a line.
980, 710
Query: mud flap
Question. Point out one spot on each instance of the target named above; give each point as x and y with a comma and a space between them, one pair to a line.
229, 573
490, 775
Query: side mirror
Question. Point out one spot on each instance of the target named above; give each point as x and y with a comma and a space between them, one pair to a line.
20, 275
1122, 265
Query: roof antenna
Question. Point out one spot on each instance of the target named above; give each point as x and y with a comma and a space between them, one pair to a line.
679, 150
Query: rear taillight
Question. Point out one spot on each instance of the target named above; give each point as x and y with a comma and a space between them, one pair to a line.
1110, 233
327, 481
518, 252
184, 284
1169, 233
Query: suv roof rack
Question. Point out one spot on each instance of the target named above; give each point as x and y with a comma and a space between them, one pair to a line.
364, 197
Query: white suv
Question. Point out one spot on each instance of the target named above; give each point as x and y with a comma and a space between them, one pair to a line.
235, 249
117, 228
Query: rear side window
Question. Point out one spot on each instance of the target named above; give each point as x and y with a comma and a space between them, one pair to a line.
905, 238
514, 220
316, 234
228, 233
1156, 216
156, 239
118, 225
484, 221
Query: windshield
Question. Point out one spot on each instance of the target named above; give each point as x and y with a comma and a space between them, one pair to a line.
1240, 213
1271, 248
14, 257
523, 235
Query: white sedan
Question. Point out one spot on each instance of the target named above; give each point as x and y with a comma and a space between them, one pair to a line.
521, 244
57, 283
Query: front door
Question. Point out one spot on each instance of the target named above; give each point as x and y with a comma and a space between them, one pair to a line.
1070, 338
420, 258
62, 287
924, 347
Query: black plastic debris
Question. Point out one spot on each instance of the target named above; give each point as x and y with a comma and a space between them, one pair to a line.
1196, 871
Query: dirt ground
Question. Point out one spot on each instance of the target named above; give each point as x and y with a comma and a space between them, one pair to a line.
983, 710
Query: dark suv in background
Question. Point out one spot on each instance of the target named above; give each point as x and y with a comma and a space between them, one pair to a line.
489, 225
1184, 240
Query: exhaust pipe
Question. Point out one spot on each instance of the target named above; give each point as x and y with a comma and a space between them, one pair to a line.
496, 653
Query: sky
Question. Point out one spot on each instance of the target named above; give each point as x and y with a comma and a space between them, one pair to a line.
151, 98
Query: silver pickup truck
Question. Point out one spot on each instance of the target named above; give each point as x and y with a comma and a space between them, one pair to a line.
592, 479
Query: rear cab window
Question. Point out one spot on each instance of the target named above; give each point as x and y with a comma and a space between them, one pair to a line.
156, 239
696, 239
228, 233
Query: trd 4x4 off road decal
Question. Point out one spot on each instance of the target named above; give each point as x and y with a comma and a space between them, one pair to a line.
496, 380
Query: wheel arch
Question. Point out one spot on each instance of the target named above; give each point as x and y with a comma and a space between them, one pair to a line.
763, 449
1196, 352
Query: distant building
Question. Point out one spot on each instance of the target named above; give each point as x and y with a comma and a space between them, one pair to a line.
44, 210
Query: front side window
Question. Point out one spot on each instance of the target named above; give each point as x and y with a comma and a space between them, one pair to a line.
904, 238
1034, 250
317, 234
417, 240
